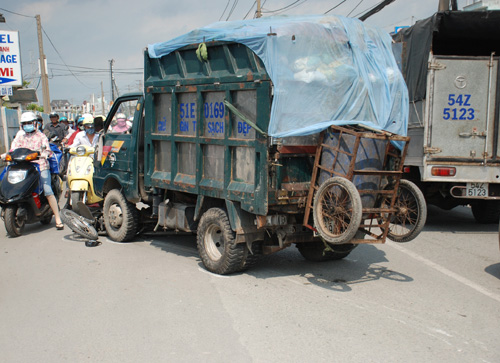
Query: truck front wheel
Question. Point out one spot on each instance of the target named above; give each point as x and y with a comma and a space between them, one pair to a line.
217, 245
120, 217
486, 211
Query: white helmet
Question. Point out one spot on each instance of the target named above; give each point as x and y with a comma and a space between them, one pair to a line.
121, 116
28, 117
88, 119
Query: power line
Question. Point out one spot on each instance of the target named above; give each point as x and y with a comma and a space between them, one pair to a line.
97, 69
27, 16
285, 7
255, 2
355, 7
228, 1
232, 9
50, 40
336, 6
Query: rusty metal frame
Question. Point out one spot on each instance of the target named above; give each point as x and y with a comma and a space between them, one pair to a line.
377, 217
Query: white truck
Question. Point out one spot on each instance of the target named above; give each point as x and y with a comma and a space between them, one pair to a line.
451, 69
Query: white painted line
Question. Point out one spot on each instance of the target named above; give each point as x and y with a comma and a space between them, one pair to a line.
445, 271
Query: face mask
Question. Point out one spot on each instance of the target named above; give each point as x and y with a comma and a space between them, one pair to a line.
28, 128
90, 131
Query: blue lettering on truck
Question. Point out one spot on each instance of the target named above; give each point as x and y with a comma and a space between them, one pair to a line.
187, 114
462, 109
162, 124
243, 128
214, 110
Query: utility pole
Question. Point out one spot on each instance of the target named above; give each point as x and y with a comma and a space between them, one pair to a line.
112, 79
447, 4
259, 10
443, 5
43, 71
102, 100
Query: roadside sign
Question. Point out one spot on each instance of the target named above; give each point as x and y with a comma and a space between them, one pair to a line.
398, 28
6, 91
10, 59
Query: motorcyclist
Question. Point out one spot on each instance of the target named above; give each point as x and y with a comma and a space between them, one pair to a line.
121, 124
87, 137
31, 138
68, 140
56, 128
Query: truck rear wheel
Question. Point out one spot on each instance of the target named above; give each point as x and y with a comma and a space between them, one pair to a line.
217, 245
486, 211
120, 217
251, 258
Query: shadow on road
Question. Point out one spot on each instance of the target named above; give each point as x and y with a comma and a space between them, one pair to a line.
360, 266
456, 220
494, 270
181, 244
35, 228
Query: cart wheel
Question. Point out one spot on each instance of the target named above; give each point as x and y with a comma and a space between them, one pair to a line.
409, 220
337, 210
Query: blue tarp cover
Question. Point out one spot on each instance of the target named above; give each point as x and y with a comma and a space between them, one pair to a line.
325, 70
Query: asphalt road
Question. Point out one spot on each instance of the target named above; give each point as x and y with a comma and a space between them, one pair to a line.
436, 299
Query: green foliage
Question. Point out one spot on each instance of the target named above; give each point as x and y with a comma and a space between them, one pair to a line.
34, 107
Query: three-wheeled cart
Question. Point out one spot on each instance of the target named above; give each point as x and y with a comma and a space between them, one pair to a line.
357, 194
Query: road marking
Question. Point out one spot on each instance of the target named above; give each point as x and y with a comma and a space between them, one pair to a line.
445, 271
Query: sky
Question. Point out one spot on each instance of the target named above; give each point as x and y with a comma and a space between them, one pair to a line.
81, 37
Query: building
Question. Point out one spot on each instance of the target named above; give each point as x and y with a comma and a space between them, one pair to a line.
482, 5
65, 108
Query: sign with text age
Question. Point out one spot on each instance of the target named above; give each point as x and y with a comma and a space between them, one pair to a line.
10, 59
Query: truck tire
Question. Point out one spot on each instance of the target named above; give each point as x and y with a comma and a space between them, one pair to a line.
407, 223
486, 211
251, 258
337, 210
120, 217
315, 251
13, 226
217, 245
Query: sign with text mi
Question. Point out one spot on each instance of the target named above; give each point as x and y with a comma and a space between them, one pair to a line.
10, 59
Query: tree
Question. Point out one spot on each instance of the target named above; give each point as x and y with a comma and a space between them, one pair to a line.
34, 107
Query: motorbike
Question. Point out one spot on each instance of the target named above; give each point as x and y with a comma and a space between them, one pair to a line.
79, 178
21, 193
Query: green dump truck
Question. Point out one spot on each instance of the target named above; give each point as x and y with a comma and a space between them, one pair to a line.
222, 144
